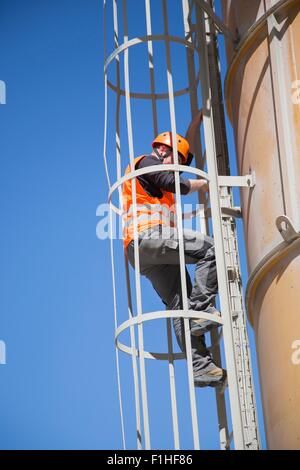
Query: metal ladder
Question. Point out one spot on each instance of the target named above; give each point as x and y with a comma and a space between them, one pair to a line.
241, 341
240, 336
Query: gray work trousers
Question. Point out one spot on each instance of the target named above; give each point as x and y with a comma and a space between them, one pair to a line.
159, 262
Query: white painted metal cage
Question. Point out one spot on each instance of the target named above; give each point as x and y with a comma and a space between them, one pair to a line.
194, 35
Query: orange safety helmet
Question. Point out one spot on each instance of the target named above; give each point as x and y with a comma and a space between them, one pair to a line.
166, 139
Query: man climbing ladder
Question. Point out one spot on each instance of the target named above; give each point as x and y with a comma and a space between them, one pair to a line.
159, 246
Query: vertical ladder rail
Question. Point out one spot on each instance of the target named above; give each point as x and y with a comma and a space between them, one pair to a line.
223, 168
188, 30
143, 381
209, 133
192, 397
168, 321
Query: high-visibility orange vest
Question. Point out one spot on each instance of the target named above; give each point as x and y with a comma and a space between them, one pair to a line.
151, 211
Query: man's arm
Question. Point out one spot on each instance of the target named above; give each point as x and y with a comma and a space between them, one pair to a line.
154, 182
192, 130
198, 184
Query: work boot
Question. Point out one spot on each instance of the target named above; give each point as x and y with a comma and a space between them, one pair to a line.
202, 325
212, 378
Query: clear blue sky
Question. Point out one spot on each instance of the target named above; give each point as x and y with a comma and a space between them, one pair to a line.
58, 389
